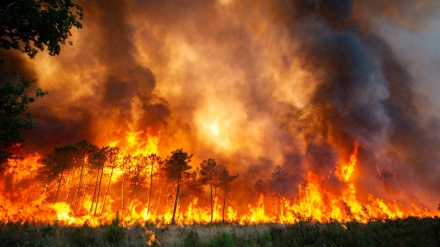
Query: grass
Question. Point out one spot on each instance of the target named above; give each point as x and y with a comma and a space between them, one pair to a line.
402, 232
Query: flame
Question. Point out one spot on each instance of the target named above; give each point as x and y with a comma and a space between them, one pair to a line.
23, 199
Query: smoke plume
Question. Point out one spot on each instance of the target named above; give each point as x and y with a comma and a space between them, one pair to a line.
255, 85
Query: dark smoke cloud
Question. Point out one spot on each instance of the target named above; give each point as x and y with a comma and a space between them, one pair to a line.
108, 95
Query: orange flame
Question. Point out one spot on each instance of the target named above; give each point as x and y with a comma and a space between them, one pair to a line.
24, 198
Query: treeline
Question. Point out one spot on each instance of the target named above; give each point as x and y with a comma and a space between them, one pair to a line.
91, 179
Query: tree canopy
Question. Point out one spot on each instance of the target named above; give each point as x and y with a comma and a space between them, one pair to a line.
176, 168
14, 102
29, 26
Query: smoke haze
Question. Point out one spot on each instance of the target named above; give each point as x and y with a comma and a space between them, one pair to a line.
255, 85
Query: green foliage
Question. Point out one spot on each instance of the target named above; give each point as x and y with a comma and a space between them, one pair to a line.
224, 239
191, 239
29, 26
27, 234
14, 101
114, 233
83, 236
404, 232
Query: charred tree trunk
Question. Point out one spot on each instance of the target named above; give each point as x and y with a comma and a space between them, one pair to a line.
80, 181
99, 189
106, 191
94, 191
224, 204
151, 185
212, 208
158, 194
175, 202
59, 185
123, 195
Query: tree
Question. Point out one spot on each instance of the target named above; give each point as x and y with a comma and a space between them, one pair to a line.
112, 159
29, 26
14, 102
176, 168
280, 181
56, 164
126, 161
208, 175
137, 175
152, 160
97, 161
261, 187
280, 184
224, 180
84, 150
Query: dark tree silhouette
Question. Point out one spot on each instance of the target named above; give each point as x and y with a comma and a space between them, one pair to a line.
261, 187
126, 160
279, 185
29, 26
224, 179
137, 175
280, 181
208, 175
97, 161
84, 150
14, 103
56, 164
112, 162
176, 168
154, 161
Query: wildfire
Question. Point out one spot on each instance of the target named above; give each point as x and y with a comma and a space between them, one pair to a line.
133, 188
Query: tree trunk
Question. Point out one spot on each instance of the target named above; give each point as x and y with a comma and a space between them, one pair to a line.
94, 191
99, 189
151, 185
59, 185
224, 205
80, 181
210, 186
123, 195
158, 194
106, 191
175, 202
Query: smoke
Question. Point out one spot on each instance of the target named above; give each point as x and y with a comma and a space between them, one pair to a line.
255, 85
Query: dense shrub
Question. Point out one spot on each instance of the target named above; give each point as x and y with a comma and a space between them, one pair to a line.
114, 233
192, 239
224, 239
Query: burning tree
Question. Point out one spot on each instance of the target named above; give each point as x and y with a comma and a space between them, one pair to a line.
84, 150
209, 175
279, 185
137, 175
56, 164
176, 168
98, 160
224, 180
154, 161
112, 160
